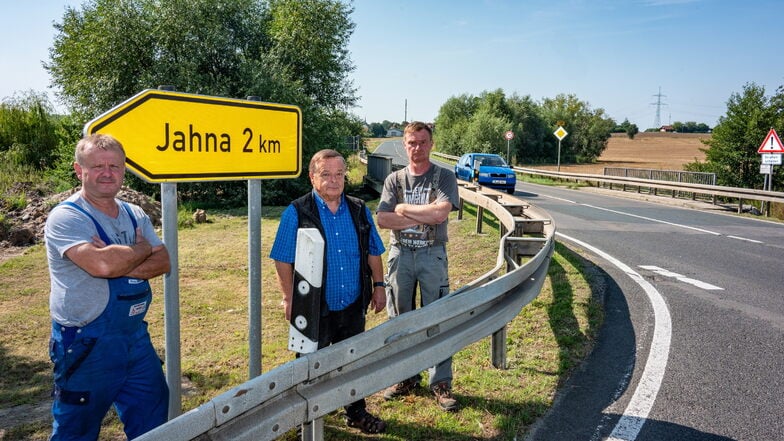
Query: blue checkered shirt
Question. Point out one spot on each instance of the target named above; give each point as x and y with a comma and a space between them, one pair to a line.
342, 249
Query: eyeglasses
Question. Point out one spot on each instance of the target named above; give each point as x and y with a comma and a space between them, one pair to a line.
339, 176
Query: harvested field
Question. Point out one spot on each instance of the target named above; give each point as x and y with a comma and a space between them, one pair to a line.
661, 151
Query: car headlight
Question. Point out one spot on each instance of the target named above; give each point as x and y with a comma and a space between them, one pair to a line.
484, 175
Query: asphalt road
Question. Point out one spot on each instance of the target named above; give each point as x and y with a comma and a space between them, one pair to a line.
715, 374
693, 339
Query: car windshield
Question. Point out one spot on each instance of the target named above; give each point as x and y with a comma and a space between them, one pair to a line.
493, 161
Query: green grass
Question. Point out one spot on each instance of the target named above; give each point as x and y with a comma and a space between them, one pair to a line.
545, 341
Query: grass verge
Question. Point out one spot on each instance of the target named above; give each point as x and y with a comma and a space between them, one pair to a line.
545, 341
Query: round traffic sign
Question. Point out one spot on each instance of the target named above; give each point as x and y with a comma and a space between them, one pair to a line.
509, 135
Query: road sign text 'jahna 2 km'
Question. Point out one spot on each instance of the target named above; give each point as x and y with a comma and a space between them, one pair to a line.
178, 137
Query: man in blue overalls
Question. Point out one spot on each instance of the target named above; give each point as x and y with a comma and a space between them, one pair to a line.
101, 252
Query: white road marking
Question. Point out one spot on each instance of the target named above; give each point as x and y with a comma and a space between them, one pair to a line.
655, 220
652, 219
638, 408
747, 240
559, 199
682, 278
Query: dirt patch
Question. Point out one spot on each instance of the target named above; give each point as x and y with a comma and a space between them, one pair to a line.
25, 226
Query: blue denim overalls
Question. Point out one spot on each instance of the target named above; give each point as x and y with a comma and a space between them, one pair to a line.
109, 361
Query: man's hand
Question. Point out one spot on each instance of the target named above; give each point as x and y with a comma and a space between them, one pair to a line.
141, 243
379, 299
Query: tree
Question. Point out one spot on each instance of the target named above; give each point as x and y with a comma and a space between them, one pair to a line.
451, 123
377, 130
632, 130
623, 127
732, 152
690, 127
588, 129
485, 132
28, 132
467, 123
310, 38
529, 128
285, 51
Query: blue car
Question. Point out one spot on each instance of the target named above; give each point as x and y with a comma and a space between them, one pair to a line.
494, 172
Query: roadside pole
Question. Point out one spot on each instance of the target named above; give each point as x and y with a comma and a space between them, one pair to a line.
560, 133
771, 150
509, 136
254, 274
171, 293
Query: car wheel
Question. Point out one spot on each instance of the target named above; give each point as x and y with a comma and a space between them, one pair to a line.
510, 190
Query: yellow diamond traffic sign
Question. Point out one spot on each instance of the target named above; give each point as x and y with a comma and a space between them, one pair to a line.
560, 133
179, 137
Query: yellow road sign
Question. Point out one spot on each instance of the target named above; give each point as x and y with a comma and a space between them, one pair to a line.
179, 137
560, 133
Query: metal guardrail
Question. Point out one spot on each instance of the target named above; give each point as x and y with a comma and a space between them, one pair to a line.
662, 175
741, 194
712, 190
316, 384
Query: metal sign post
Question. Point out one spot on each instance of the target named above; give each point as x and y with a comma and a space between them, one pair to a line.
560, 133
509, 135
771, 150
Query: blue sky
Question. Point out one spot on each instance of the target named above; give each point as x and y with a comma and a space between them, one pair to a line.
411, 56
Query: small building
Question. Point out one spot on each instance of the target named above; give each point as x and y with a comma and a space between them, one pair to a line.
394, 131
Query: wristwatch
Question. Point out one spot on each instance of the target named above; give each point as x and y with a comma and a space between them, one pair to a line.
381, 284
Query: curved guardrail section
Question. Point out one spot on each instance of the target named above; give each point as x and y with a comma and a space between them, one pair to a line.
316, 384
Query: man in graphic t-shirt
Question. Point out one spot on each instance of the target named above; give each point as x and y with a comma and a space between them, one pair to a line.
415, 204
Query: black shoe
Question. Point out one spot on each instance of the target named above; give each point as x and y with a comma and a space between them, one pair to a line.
367, 423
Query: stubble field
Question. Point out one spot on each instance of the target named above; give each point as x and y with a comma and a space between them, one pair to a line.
662, 151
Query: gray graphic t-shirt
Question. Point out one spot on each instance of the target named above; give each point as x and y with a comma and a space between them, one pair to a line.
402, 187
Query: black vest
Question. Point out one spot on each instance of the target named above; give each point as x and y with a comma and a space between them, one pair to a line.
308, 217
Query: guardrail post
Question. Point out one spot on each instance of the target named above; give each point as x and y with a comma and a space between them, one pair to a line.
460, 206
313, 430
498, 348
480, 212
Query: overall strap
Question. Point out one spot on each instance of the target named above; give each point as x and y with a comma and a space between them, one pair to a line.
101, 232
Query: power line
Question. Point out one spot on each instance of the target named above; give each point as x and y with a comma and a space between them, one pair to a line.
658, 104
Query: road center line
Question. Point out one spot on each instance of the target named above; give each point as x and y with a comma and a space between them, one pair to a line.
559, 199
654, 220
747, 240
638, 408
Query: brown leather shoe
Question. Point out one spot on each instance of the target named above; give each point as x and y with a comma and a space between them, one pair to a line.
443, 393
405, 387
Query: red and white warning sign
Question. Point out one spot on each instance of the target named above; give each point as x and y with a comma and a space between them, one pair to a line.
771, 144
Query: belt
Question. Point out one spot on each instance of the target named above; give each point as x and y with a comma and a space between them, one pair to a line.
409, 248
